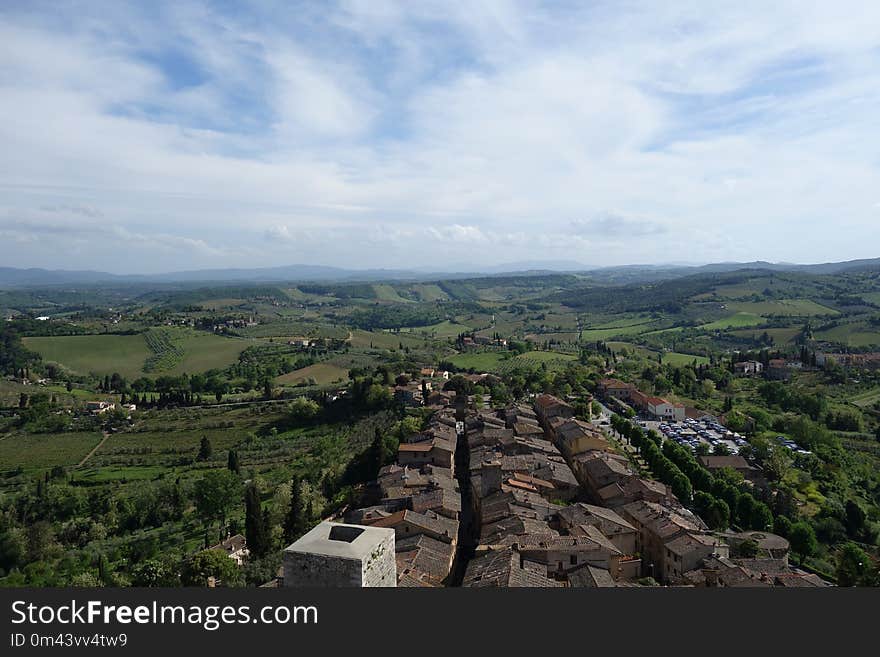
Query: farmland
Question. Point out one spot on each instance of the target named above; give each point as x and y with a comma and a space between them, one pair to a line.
256, 374
37, 452
320, 373
160, 350
786, 307
738, 320
99, 354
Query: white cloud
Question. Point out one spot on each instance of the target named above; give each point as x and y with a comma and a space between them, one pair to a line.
375, 131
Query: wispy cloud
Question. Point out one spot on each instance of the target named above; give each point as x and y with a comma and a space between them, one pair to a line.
192, 134
610, 224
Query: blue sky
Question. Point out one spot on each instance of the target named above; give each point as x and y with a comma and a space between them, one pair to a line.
144, 137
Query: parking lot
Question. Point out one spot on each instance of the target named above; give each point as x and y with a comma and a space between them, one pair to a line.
690, 433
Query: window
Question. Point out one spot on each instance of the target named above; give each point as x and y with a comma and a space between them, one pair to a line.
573, 559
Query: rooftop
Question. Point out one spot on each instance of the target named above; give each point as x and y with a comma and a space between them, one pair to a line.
340, 540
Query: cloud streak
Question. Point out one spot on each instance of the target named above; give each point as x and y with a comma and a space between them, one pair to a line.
384, 133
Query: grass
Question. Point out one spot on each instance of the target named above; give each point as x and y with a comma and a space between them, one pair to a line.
779, 335
46, 450
677, 359
738, 320
856, 334
786, 307
385, 292
121, 473
632, 348
674, 358
605, 333
430, 292
384, 339
322, 373
500, 361
446, 329
865, 399
129, 355
101, 354
544, 356
624, 322
871, 297
480, 360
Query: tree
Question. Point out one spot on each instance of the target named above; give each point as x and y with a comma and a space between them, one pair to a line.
853, 566
41, 544
376, 454
215, 494
155, 572
256, 529
714, 512
232, 462
294, 521
303, 408
855, 519
782, 526
802, 539
211, 563
267, 389
204, 449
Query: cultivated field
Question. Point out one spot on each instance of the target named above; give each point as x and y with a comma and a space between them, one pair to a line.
738, 320
321, 373
159, 351
784, 307
45, 450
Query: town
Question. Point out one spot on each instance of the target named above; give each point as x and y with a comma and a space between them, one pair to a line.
529, 495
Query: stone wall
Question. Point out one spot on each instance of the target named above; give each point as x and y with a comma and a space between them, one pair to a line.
380, 567
304, 569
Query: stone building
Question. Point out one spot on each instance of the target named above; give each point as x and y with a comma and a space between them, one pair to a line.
341, 555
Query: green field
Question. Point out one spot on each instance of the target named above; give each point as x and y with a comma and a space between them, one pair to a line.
430, 292
622, 322
553, 337
780, 335
866, 399
871, 297
129, 355
632, 348
388, 293
322, 373
442, 330
535, 359
785, 307
591, 335
738, 320
384, 339
484, 361
45, 450
500, 361
101, 354
856, 334
679, 360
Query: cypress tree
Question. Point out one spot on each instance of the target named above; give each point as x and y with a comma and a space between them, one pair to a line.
204, 449
256, 531
294, 521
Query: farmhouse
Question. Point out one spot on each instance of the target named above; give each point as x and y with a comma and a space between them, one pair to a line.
748, 368
235, 547
99, 407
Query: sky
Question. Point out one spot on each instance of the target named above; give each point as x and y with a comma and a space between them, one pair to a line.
150, 137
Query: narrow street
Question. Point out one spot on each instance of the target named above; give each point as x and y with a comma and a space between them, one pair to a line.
468, 521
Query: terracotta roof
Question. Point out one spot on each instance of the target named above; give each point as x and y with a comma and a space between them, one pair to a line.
424, 446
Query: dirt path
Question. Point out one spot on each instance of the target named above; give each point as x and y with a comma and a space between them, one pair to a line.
94, 449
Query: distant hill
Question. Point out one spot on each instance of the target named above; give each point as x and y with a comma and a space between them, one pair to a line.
14, 277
